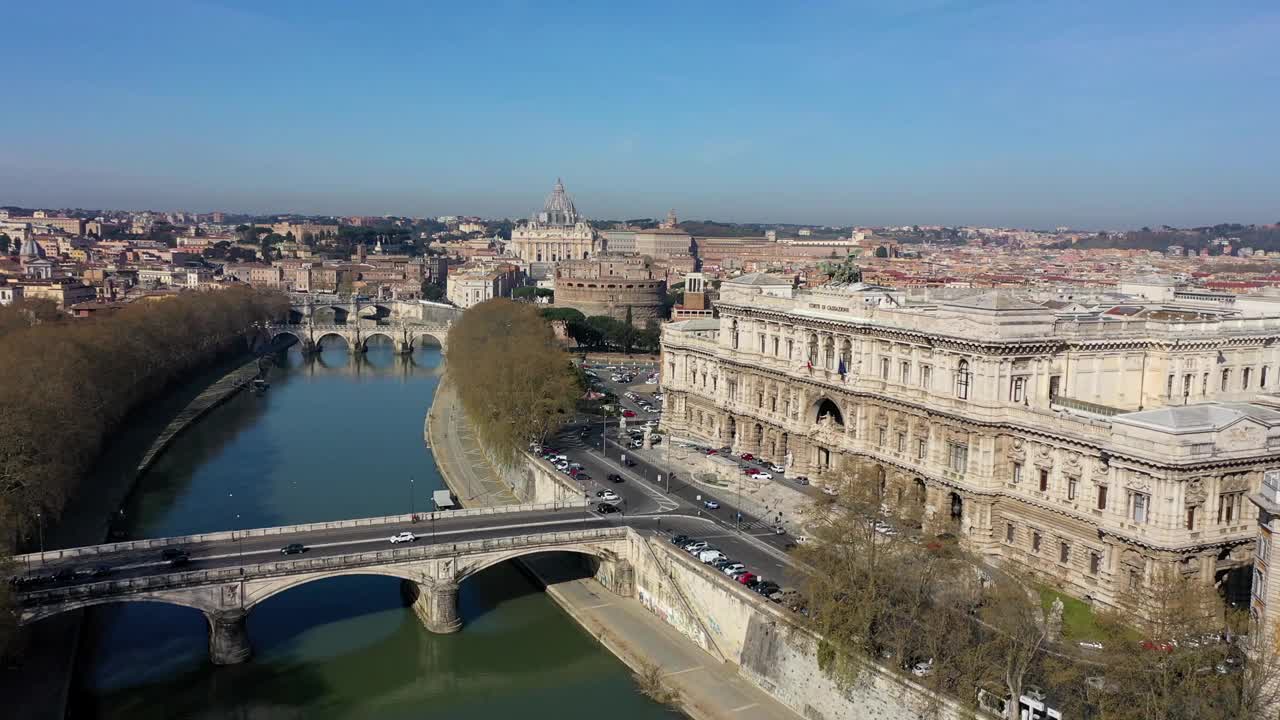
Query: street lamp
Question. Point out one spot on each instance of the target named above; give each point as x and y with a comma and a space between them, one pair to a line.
412, 516
40, 522
240, 542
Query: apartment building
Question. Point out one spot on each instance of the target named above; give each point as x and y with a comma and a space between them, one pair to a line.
1087, 443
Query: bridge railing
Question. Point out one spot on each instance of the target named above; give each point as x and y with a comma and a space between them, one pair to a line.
93, 551
115, 588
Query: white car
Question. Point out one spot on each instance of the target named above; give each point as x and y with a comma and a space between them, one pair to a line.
608, 496
403, 538
777, 468
763, 476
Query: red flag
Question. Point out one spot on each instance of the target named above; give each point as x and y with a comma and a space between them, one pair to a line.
808, 364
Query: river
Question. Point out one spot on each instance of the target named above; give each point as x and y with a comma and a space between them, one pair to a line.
335, 436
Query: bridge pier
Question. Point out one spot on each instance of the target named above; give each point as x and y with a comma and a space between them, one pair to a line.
436, 605
228, 637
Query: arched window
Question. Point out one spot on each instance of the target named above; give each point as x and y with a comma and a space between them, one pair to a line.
846, 354
829, 353
733, 334
813, 348
962, 380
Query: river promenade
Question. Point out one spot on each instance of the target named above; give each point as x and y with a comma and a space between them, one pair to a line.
709, 690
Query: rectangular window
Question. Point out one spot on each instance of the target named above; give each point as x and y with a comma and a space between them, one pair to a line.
1226, 379
1168, 387
1064, 553
883, 436
1044, 480
1191, 518
790, 346
1262, 379
1095, 562
1017, 472
1008, 533
762, 343
926, 376
1229, 505
1035, 541
958, 457
1073, 486
1135, 579
775, 346
884, 368
902, 442
1102, 497
1055, 382
1141, 503
922, 448
1018, 389
904, 373
1262, 547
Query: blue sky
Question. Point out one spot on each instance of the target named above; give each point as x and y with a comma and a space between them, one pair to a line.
1091, 114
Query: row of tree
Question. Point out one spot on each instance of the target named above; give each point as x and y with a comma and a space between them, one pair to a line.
69, 383
603, 332
514, 380
957, 626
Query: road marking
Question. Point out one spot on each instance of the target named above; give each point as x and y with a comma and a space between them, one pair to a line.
744, 707
597, 607
681, 672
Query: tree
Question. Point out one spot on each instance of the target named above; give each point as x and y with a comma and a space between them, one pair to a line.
568, 315
515, 382
5, 244
882, 252
526, 294
432, 291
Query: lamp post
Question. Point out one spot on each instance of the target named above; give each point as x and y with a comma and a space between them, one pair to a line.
412, 516
40, 522
240, 542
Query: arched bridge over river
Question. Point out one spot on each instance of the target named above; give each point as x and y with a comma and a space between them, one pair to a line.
230, 572
406, 336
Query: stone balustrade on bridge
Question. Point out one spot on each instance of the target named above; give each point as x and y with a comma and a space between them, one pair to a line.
431, 568
406, 337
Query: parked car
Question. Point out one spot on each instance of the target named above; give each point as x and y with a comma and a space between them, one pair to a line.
711, 504
763, 476
628, 414
403, 537
710, 555
293, 549
745, 577
628, 462
777, 468
751, 471
732, 568
747, 456
605, 508
801, 480
696, 546
608, 496
680, 540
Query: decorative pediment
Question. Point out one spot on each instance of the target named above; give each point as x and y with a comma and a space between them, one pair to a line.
1195, 493
1243, 435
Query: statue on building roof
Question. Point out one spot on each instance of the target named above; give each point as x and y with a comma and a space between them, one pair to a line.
842, 273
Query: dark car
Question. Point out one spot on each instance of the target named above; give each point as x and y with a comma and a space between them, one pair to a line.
606, 508
615, 477
180, 560
679, 539
92, 571
293, 549
64, 575
629, 462
170, 553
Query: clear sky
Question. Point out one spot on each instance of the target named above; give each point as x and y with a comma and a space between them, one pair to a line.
1115, 113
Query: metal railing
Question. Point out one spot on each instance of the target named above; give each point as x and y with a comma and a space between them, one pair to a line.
90, 551
1085, 406
170, 581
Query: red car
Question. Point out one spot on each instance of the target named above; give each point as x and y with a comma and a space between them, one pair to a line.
745, 578
711, 452
752, 471
748, 456
628, 413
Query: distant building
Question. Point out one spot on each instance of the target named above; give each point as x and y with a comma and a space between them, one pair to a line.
618, 286
695, 304
472, 286
557, 233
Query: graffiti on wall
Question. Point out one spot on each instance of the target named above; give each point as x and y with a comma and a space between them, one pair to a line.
673, 616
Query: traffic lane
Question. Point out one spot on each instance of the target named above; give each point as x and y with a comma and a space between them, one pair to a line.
598, 467
232, 557
769, 564
445, 522
690, 493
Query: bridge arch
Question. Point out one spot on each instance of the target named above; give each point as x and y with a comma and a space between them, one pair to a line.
390, 340
426, 339
320, 341
287, 333
186, 600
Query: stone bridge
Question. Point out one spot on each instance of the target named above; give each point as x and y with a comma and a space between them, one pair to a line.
228, 574
406, 337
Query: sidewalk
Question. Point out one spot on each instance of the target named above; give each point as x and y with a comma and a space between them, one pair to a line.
761, 498
709, 690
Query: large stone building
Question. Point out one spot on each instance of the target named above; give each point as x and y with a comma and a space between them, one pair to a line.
555, 234
619, 286
1088, 443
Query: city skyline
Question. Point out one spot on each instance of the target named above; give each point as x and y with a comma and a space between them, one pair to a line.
874, 114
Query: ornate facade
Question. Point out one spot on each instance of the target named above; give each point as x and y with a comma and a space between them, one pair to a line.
557, 233
1087, 445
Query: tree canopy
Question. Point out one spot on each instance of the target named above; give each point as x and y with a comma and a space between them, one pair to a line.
514, 380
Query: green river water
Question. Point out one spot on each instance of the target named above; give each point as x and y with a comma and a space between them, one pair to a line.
336, 436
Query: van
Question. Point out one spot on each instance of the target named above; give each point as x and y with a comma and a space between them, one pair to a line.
710, 556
